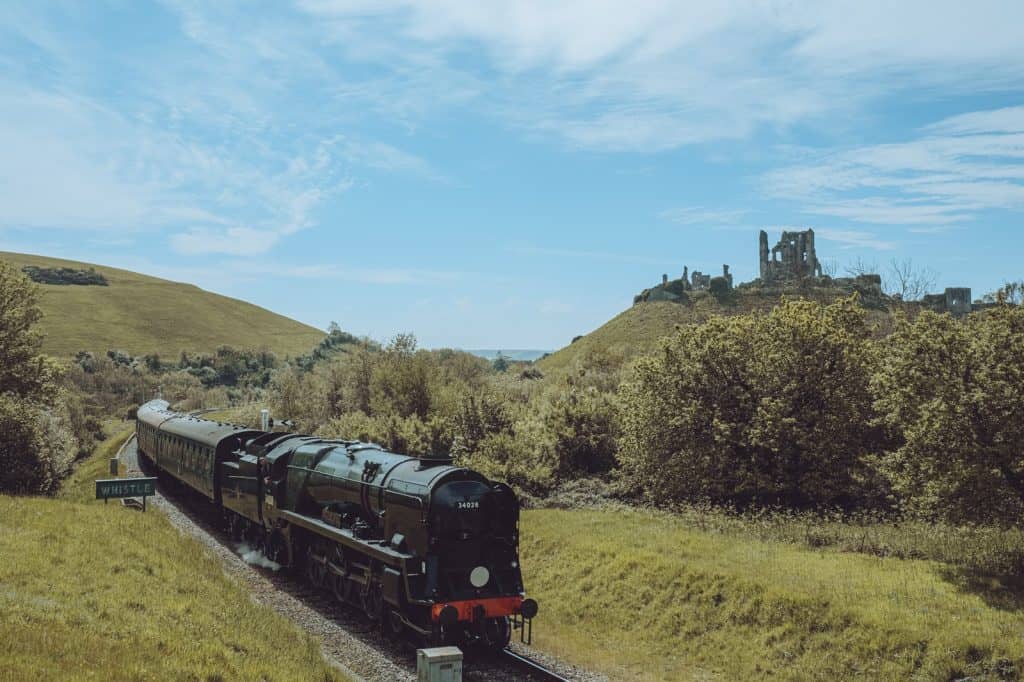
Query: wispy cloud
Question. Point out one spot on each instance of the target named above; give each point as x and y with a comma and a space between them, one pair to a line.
235, 241
657, 74
1006, 120
700, 215
216, 148
528, 250
855, 239
955, 169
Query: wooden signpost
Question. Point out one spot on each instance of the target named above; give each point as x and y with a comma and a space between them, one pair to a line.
126, 487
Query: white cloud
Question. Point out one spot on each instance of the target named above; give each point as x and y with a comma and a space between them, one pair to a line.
234, 241
957, 168
216, 147
855, 238
615, 257
360, 274
54, 169
700, 215
1007, 120
656, 74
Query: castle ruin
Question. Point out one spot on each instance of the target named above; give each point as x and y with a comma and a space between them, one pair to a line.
793, 258
791, 265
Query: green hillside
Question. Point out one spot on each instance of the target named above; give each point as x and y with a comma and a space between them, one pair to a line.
142, 314
100, 592
637, 330
645, 596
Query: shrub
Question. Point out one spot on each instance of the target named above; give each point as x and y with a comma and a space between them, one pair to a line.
24, 371
409, 435
755, 410
64, 276
951, 395
581, 428
36, 447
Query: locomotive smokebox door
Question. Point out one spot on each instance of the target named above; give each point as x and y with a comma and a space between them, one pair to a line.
441, 664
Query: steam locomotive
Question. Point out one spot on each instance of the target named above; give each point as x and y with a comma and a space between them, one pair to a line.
418, 544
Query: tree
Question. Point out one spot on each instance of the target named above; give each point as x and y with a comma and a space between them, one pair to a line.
907, 281
24, 372
35, 444
401, 380
500, 363
951, 395
755, 410
859, 267
1011, 293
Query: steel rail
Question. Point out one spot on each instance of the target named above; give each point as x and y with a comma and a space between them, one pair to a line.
532, 666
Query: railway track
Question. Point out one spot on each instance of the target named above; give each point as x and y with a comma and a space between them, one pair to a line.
530, 666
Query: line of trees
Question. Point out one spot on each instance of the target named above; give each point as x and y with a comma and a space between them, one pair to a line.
801, 408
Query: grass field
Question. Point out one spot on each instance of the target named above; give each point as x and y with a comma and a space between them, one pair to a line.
644, 596
94, 591
142, 314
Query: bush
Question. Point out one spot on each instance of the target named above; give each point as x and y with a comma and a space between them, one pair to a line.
580, 429
514, 459
763, 410
36, 448
64, 276
409, 435
951, 395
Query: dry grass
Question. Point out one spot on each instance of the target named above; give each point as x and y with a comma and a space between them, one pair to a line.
645, 596
94, 591
141, 314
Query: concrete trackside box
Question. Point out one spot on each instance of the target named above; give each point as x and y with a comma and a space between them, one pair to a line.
440, 664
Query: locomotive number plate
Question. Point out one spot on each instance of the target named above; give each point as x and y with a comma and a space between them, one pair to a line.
469, 505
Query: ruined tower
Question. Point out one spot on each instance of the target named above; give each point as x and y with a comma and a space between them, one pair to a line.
764, 255
793, 258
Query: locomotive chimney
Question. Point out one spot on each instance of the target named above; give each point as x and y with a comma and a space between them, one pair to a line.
264, 420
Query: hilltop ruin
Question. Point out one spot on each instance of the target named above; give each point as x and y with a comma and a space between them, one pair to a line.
792, 266
799, 259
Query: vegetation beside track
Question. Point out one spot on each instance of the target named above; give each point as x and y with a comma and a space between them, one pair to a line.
79, 485
642, 595
95, 591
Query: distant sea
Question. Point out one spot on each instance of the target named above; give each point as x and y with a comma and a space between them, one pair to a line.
511, 354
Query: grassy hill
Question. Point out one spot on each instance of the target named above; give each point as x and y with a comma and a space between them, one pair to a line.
100, 592
142, 314
637, 330
644, 596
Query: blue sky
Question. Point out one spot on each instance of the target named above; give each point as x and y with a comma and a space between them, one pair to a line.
507, 174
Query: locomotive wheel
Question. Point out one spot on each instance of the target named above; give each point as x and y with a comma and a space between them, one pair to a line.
277, 549
336, 578
373, 603
395, 622
234, 527
497, 633
341, 587
316, 571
